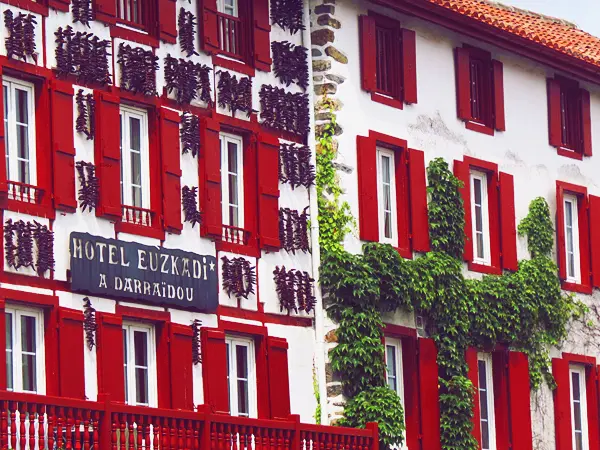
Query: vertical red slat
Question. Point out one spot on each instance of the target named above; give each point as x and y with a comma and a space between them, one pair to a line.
429, 395
110, 356
168, 20
560, 232
594, 220
262, 40
70, 353
51, 350
402, 207
368, 211
214, 369
501, 408
508, 230
163, 370
268, 190
210, 177
584, 239
586, 118
181, 367
279, 380
208, 23
105, 10
171, 169
554, 116
562, 404
2, 349
409, 66
499, 121
461, 171
411, 390
418, 201
3, 175
368, 50
463, 84
591, 392
471, 359
519, 401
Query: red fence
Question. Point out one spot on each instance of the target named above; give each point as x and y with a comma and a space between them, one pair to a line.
37, 422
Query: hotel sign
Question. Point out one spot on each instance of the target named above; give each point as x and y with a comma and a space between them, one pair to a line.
158, 275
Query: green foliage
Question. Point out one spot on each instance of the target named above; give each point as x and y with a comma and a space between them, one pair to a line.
317, 395
537, 226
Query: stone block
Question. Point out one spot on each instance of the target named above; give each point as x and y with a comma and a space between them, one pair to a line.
322, 36
336, 54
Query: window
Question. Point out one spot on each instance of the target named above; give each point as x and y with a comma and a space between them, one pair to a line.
132, 12
241, 377
386, 193
481, 90
19, 126
229, 7
579, 407
480, 218
135, 165
572, 239
139, 368
232, 181
230, 27
393, 362
570, 116
388, 51
486, 401
25, 370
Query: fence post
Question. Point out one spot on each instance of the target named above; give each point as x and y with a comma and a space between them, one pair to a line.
295, 443
205, 410
374, 428
105, 428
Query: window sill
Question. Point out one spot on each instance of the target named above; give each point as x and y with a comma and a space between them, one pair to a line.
236, 66
39, 210
393, 102
249, 249
479, 127
562, 151
575, 287
140, 230
483, 268
28, 5
132, 35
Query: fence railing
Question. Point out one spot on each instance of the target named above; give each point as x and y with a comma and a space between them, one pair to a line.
23, 192
37, 422
230, 34
235, 235
137, 216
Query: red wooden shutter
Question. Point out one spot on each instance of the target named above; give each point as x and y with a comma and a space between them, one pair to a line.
411, 390
418, 201
471, 359
181, 366
208, 22
169, 133
586, 118
60, 5
591, 393
584, 239
519, 400
500, 382
106, 10
51, 350
594, 220
279, 380
163, 370
463, 84
108, 154
167, 11
214, 370
109, 339
368, 49
210, 177
499, 122
461, 171
262, 40
3, 185
368, 211
2, 335
554, 116
63, 146
71, 353
402, 201
560, 233
268, 190
429, 392
508, 229
562, 404
409, 66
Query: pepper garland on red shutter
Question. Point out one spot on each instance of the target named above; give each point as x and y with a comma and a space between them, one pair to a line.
239, 277
235, 94
20, 41
196, 344
290, 63
82, 11
84, 55
86, 112
187, 32
21, 254
294, 289
138, 69
189, 132
284, 111
293, 229
190, 205
288, 14
89, 323
187, 79
89, 187
295, 167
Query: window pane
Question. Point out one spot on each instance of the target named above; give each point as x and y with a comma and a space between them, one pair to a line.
482, 369
141, 385
125, 356
9, 349
480, 252
243, 409
22, 106
391, 367
29, 372
233, 190
134, 133
136, 168
577, 415
140, 340
233, 216
28, 334
232, 154
136, 195
477, 190
241, 359
388, 224
485, 436
578, 441
385, 169
575, 381
228, 380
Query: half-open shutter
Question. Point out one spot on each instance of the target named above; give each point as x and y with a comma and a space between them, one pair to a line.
591, 394
519, 401
214, 369
63, 146
499, 122
210, 177
167, 11
368, 212
463, 84
562, 404
410, 373
3, 184
473, 374
208, 22
105, 11
108, 155
368, 65
262, 40
560, 232
586, 125
554, 115
109, 339
409, 66
268, 190
508, 229
171, 167
181, 367
584, 239
501, 408
461, 171
71, 353
418, 201
279, 380
429, 393
594, 221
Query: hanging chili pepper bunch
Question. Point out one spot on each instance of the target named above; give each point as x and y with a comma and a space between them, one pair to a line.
21, 254
10, 247
189, 200
293, 230
24, 256
295, 290
20, 41
187, 32
84, 55
235, 94
86, 112
295, 166
239, 277
290, 63
189, 132
44, 240
196, 343
188, 79
284, 111
82, 11
89, 187
89, 323
138, 69
288, 14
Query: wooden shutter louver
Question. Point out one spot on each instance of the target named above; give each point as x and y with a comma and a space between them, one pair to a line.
210, 177
171, 170
554, 114
262, 40
586, 123
562, 404
368, 211
519, 399
209, 25
461, 171
429, 394
418, 201
167, 12
409, 66
279, 380
463, 84
508, 229
498, 75
368, 48
268, 190
214, 370
109, 351
594, 220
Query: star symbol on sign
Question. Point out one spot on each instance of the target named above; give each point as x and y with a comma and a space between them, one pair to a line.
212, 266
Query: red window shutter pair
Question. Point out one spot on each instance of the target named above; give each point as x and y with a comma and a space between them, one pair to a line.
171, 169
210, 177
109, 352
429, 395
268, 190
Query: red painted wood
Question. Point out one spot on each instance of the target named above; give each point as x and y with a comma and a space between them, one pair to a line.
560, 232
105, 10
562, 404
586, 117
43, 141
367, 53
368, 212
501, 408
411, 390
59, 5
429, 395
208, 23
594, 219
499, 121
418, 201
584, 239
167, 23
214, 369
109, 339
262, 31
494, 212
473, 374
268, 190
463, 84
171, 170
3, 185
2, 346
181, 367
519, 401
70, 353
402, 200
591, 392
409, 66
508, 230
279, 380
461, 171
163, 369
554, 116
210, 177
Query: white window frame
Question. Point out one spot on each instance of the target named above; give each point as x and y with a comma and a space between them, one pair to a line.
231, 343
127, 112
40, 354
234, 11
130, 387
225, 139
10, 124
575, 276
485, 213
393, 239
580, 370
396, 345
486, 358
